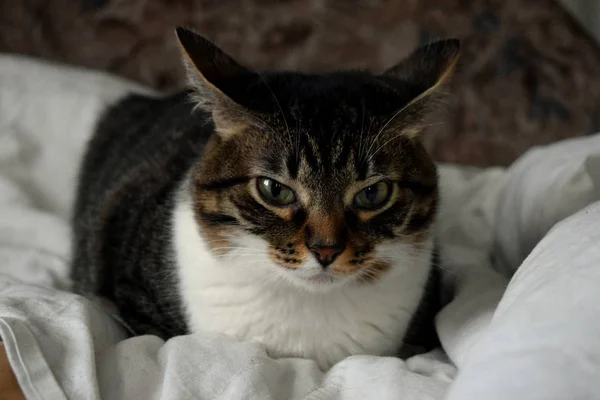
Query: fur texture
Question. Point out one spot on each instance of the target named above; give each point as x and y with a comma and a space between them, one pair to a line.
287, 208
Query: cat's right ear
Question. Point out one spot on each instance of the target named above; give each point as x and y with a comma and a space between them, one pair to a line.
428, 67
208, 69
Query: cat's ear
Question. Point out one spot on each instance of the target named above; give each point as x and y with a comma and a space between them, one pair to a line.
428, 67
423, 72
208, 69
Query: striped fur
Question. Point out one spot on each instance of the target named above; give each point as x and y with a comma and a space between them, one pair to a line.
169, 209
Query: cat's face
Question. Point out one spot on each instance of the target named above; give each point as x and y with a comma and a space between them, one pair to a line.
322, 174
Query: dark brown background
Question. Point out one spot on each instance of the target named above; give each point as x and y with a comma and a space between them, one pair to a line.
528, 73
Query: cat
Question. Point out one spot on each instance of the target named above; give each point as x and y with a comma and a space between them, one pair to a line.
292, 209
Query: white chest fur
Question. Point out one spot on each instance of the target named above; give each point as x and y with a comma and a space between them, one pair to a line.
242, 294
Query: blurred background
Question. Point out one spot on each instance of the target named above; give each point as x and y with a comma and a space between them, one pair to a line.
529, 73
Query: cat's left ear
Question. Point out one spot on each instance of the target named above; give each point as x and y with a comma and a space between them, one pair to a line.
428, 67
209, 70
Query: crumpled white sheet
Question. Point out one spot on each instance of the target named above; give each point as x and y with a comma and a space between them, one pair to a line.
543, 342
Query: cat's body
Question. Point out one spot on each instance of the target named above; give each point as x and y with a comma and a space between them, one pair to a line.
136, 161
181, 219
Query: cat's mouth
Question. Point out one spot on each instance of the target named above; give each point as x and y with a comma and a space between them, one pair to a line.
369, 272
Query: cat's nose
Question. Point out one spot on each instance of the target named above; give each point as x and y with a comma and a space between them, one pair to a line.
325, 255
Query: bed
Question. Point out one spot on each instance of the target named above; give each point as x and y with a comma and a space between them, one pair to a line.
521, 249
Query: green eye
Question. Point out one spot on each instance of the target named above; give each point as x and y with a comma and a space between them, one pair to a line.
373, 196
275, 193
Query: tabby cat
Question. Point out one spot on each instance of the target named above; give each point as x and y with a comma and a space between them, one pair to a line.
293, 209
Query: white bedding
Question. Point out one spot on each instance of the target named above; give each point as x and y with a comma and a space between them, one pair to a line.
542, 342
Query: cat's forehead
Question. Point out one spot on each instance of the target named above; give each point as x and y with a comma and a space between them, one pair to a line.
329, 157
324, 131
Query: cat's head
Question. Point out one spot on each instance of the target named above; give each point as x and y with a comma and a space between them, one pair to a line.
318, 178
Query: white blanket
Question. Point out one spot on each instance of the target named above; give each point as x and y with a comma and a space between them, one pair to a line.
543, 341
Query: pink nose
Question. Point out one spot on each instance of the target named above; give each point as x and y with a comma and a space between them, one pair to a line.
327, 252
326, 255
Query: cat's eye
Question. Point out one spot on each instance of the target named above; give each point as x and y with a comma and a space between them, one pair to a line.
275, 193
373, 196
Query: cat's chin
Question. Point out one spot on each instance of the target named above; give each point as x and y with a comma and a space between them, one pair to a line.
322, 278
319, 282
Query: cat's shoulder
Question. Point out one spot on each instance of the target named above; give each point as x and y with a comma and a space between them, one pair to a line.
140, 108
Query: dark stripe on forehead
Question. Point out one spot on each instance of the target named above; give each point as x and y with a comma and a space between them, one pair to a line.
361, 166
309, 154
220, 184
342, 159
292, 164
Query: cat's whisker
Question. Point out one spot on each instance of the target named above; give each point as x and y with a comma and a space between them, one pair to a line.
396, 114
368, 276
238, 253
224, 257
228, 237
234, 256
238, 248
249, 249
217, 240
399, 135
297, 137
278, 104
411, 235
362, 127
